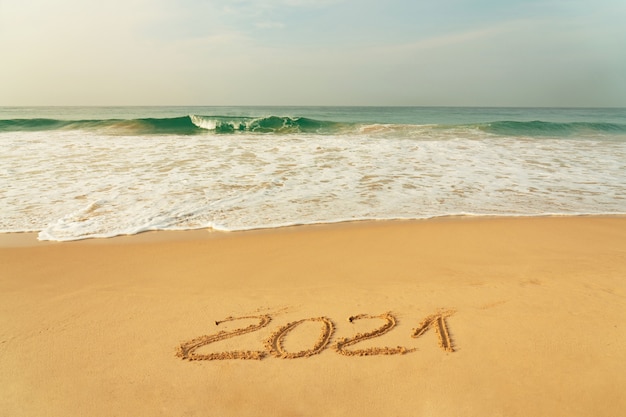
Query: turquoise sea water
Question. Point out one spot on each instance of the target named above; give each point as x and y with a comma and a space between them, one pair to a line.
77, 172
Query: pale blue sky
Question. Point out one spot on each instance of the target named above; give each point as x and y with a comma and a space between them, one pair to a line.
313, 52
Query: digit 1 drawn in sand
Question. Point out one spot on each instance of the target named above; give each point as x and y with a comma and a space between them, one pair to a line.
438, 321
275, 342
186, 350
390, 323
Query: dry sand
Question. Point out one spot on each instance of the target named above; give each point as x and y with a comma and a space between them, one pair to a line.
452, 317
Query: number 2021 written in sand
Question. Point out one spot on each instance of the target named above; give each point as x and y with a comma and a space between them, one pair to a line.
274, 345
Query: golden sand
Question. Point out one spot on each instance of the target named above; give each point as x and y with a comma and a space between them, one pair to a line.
451, 317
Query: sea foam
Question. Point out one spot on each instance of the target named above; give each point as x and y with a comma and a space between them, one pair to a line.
79, 183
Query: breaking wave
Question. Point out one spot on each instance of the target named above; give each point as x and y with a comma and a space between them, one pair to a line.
198, 124
185, 125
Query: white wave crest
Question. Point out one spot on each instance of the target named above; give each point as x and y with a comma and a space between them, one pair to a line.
203, 122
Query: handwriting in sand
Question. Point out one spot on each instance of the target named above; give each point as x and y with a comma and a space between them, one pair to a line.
275, 346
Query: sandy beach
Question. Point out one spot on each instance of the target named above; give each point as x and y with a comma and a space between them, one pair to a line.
449, 317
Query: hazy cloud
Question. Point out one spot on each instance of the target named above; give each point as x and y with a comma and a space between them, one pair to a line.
451, 52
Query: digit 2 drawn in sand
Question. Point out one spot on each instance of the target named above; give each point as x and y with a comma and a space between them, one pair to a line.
390, 323
187, 349
438, 321
275, 342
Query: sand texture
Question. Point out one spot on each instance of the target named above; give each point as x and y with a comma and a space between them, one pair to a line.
450, 317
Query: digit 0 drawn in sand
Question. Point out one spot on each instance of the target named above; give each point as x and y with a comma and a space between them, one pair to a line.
390, 323
186, 350
275, 342
438, 321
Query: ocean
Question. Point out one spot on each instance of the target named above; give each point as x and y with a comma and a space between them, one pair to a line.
71, 173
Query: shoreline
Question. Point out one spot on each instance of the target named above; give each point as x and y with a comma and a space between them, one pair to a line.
466, 316
22, 239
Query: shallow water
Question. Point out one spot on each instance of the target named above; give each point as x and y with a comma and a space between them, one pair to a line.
73, 173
